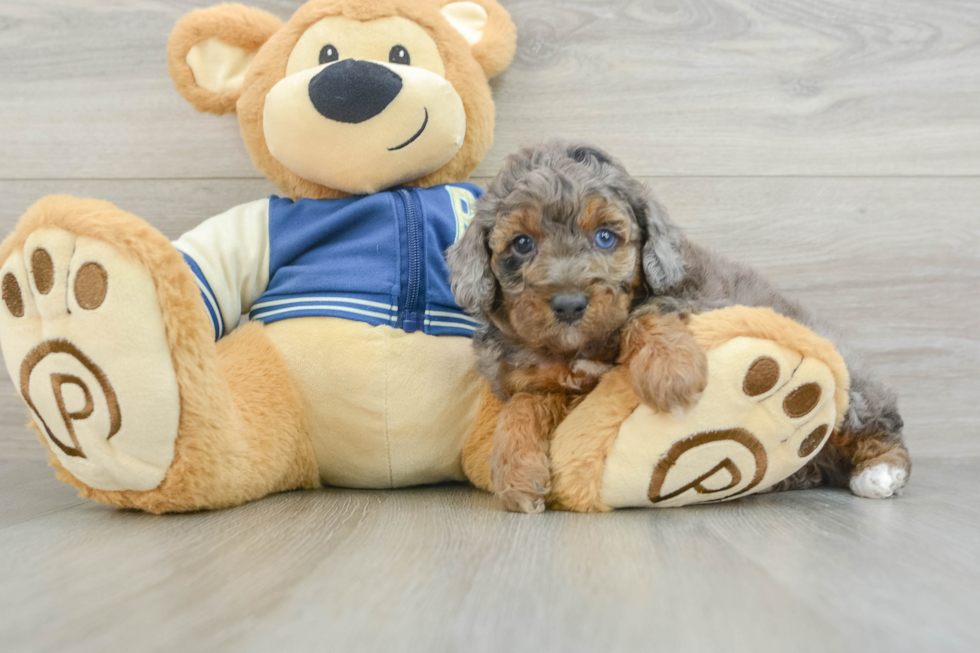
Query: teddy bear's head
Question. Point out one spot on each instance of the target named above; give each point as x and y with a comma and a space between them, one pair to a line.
350, 96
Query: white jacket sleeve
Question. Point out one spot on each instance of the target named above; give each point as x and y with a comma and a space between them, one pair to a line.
229, 255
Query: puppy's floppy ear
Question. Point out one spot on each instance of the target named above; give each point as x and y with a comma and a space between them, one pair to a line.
210, 51
471, 278
488, 30
663, 264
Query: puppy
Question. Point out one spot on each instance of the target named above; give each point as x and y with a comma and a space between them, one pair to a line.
558, 263
574, 188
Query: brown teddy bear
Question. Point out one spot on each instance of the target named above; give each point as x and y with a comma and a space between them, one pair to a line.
356, 367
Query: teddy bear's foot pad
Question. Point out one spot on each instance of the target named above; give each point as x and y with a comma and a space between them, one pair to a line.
766, 411
84, 342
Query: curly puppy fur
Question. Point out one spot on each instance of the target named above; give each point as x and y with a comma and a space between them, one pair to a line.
678, 278
560, 256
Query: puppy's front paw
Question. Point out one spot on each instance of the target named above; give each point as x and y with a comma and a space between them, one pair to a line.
669, 375
523, 484
517, 501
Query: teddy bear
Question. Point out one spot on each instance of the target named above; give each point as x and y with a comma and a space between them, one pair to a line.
354, 367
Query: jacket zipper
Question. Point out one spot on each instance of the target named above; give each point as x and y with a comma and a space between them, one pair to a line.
410, 317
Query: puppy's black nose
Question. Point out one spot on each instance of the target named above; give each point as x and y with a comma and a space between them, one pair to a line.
569, 308
353, 91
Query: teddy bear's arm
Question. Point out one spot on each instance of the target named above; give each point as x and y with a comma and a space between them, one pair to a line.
229, 255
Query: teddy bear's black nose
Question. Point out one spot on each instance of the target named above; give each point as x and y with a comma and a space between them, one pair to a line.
353, 91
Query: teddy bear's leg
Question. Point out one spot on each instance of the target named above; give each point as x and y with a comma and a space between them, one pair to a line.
866, 453
107, 341
775, 392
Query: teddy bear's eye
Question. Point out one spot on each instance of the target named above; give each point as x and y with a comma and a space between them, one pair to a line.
328, 53
399, 54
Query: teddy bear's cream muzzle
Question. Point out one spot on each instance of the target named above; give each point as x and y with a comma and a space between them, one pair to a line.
408, 123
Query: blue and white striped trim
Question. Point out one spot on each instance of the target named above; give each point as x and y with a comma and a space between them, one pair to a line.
210, 303
451, 320
363, 310
439, 320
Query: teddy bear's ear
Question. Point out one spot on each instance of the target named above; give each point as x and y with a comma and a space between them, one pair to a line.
210, 51
488, 29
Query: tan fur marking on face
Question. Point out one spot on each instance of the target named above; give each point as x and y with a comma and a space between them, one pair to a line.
523, 221
529, 315
593, 215
638, 275
91, 284
43, 270
598, 213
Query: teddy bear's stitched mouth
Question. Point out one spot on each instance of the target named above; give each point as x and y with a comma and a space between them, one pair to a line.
417, 134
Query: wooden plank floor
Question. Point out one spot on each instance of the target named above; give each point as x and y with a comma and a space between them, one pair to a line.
834, 144
444, 569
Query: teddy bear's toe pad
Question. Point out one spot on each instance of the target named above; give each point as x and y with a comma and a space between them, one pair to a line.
83, 339
766, 411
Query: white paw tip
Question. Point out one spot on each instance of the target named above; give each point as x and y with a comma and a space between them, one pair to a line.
879, 482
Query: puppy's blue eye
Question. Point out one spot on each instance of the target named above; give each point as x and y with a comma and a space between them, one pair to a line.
605, 239
522, 244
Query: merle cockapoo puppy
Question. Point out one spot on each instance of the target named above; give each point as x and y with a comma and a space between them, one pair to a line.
573, 268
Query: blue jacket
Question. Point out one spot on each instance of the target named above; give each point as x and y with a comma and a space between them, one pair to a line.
375, 258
